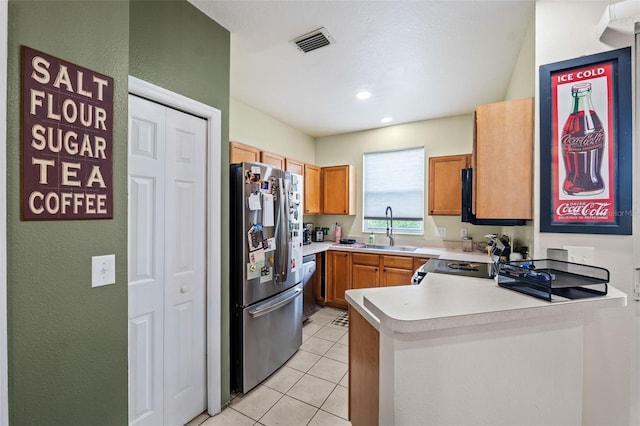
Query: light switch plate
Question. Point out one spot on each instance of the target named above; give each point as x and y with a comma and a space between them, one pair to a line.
441, 231
103, 270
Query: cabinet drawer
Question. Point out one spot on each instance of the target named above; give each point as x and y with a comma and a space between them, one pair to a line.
419, 261
401, 262
365, 259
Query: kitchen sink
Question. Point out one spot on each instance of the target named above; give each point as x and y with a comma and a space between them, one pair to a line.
393, 248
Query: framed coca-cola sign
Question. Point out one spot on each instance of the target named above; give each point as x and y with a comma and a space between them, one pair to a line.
585, 144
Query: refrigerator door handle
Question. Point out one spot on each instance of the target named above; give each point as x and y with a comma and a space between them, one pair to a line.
273, 305
283, 258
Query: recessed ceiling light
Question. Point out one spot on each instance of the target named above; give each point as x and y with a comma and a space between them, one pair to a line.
363, 95
386, 120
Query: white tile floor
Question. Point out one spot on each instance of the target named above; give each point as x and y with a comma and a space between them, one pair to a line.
310, 389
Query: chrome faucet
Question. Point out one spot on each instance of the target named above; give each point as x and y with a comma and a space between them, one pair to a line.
389, 213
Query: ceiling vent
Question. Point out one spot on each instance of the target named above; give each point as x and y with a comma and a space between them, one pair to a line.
313, 40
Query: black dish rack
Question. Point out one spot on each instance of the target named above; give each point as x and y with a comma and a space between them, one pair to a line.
553, 280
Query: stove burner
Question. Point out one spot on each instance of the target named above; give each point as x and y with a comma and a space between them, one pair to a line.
464, 266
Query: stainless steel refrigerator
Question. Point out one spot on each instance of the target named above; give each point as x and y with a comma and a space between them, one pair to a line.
266, 271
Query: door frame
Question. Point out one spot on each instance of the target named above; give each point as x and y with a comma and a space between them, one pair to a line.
4, 372
214, 125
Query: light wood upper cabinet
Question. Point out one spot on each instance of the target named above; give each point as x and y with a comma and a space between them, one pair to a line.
339, 190
503, 160
240, 153
445, 192
272, 159
294, 166
311, 189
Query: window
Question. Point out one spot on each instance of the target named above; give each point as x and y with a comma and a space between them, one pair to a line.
394, 179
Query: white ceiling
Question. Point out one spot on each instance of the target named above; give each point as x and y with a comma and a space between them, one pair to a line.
420, 59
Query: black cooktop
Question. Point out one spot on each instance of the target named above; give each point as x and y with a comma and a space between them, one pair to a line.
458, 267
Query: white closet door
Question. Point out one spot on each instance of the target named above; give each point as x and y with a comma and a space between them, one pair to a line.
167, 273
185, 251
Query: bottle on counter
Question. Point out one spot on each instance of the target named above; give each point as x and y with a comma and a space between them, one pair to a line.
372, 238
338, 231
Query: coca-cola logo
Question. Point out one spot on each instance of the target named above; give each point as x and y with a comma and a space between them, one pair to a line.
595, 209
589, 141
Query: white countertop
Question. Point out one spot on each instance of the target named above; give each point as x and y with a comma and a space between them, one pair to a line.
447, 301
430, 252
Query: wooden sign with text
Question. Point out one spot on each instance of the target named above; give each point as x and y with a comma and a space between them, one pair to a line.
67, 139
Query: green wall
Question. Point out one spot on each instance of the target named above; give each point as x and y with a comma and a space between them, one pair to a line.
175, 46
67, 342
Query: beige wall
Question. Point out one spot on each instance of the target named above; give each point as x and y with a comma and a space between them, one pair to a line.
522, 84
566, 30
445, 136
253, 127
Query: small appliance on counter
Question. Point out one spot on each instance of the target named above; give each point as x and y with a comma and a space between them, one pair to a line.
307, 232
318, 235
499, 250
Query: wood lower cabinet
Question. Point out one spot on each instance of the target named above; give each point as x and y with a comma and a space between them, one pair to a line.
240, 153
356, 270
364, 371
338, 278
311, 189
445, 184
396, 270
365, 270
317, 278
339, 190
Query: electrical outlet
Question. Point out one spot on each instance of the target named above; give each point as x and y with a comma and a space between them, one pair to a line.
463, 232
441, 231
103, 270
584, 255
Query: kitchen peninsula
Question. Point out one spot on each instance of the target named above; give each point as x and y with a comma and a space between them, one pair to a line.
458, 350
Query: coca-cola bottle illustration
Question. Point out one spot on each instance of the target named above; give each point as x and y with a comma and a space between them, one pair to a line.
583, 142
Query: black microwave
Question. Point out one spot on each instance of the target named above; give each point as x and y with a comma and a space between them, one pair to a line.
467, 212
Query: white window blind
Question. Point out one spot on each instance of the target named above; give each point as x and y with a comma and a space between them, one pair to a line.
395, 179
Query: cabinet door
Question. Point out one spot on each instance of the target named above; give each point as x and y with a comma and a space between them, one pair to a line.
365, 272
240, 153
364, 276
364, 370
445, 192
294, 166
339, 190
272, 159
503, 160
311, 189
396, 270
338, 277
396, 276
